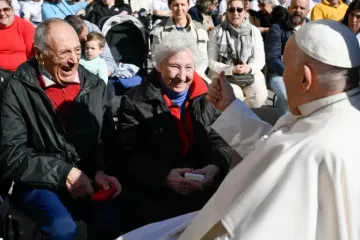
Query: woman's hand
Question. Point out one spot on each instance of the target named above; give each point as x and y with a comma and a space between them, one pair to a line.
241, 69
209, 172
180, 184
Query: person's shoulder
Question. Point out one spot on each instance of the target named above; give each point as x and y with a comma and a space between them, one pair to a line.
23, 24
198, 25
159, 27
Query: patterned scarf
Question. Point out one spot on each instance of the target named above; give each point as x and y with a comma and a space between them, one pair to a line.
235, 44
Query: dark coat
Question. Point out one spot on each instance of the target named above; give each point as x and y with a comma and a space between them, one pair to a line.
148, 134
276, 40
100, 11
35, 149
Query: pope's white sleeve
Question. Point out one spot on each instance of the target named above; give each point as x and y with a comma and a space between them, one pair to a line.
240, 127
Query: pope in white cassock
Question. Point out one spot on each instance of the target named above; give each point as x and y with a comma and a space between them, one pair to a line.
301, 180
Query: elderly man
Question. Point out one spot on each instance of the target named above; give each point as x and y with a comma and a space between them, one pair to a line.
164, 131
300, 181
274, 48
55, 127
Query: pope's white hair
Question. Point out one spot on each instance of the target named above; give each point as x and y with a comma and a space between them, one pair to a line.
175, 42
330, 77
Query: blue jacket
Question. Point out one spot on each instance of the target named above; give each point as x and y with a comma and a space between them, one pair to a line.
276, 39
61, 9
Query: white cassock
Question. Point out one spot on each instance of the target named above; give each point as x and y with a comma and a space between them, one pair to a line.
300, 181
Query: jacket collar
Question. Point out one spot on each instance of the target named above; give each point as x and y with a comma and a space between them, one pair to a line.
311, 107
170, 23
153, 90
29, 71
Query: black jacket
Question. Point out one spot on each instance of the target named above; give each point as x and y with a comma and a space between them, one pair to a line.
101, 11
35, 150
148, 134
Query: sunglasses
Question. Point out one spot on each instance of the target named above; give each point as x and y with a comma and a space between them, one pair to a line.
5, 10
232, 10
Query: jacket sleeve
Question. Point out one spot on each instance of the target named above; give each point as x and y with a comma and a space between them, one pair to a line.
258, 61
78, 6
221, 153
273, 46
18, 161
240, 127
316, 13
47, 11
103, 71
135, 163
214, 65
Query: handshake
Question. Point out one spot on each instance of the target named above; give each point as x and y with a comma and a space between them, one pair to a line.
220, 92
80, 186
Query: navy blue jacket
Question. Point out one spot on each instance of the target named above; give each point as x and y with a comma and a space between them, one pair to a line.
277, 37
196, 15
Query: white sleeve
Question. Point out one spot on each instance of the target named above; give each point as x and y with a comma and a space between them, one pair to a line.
257, 63
26, 10
240, 127
214, 65
222, 7
16, 7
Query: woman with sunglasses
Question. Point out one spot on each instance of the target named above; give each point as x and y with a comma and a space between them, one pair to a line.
237, 49
16, 36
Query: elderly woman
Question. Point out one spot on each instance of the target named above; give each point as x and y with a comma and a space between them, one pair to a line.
205, 12
236, 48
164, 132
16, 36
181, 21
60, 9
352, 18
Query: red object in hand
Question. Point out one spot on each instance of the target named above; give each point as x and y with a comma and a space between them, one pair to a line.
103, 194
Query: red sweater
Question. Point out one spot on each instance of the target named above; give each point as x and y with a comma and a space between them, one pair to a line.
184, 123
16, 43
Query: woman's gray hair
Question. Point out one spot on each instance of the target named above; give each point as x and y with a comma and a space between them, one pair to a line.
41, 36
175, 42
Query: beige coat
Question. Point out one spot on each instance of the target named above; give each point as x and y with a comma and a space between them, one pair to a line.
164, 28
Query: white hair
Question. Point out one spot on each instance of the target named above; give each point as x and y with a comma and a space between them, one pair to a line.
272, 2
331, 77
175, 42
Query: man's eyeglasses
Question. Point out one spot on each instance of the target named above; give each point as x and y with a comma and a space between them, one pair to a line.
232, 10
5, 10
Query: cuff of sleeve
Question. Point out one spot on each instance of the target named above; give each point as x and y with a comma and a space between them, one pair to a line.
66, 168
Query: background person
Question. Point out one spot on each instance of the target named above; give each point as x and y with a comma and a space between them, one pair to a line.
236, 48
91, 60
17, 36
163, 131
352, 18
61, 9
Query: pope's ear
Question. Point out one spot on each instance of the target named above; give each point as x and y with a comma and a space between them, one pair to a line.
307, 80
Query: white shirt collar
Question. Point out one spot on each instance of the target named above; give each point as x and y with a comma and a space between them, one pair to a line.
308, 108
49, 82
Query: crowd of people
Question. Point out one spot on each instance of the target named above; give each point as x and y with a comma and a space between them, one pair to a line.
71, 156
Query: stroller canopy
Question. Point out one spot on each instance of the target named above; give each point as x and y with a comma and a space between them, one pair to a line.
127, 40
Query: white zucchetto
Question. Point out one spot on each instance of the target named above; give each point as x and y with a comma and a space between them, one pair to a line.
329, 42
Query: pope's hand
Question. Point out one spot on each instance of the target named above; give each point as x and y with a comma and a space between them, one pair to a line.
220, 93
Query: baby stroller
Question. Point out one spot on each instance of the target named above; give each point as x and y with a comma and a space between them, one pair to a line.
127, 40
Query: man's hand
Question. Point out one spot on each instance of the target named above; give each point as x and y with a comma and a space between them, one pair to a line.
105, 182
78, 184
220, 93
209, 172
180, 184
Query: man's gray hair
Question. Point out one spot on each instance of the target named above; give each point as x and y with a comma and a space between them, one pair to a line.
41, 36
175, 42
